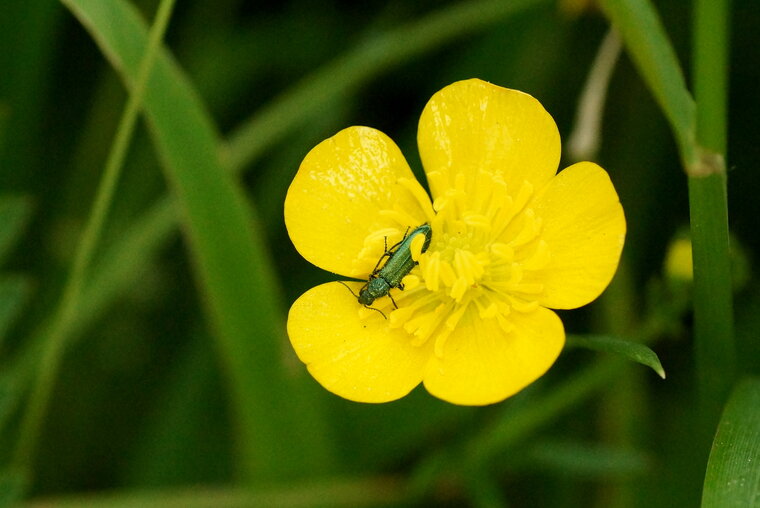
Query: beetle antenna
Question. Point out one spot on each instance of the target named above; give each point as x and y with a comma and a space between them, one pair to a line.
357, 297
350, 290
378, 310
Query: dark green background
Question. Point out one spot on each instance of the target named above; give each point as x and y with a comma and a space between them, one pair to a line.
140, 402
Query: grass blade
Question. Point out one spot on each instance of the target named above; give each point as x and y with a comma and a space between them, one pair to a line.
633, 351
648, 44
130, 255
55, 343
226, 245
122, 263
733, 471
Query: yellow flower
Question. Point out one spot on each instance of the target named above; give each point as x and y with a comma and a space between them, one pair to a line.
511, 239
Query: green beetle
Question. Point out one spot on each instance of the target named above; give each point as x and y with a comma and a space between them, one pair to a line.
398, 266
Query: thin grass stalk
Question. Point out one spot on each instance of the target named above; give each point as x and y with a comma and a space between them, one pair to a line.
585, 139
56, 341
115, 272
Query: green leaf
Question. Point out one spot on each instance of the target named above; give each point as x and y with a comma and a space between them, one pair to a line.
14, 214
276, 431
654, 56
633, 351
733, 471
14, 291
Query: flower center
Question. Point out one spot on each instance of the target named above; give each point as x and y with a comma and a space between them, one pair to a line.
485, 250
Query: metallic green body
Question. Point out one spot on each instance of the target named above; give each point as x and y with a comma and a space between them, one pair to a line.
398, 266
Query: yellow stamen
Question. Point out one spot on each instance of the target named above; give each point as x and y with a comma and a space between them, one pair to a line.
485, 247
416, 247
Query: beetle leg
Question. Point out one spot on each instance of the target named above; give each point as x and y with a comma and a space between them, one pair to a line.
389, 252
375, 270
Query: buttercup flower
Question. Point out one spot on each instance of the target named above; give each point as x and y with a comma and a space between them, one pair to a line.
678, 261
511, 239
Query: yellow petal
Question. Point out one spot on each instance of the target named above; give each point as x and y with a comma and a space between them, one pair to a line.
584, 227
363, 360
483, 364
349, 186
473, 126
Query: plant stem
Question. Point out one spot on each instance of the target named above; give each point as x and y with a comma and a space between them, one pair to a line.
66, 313
713, 305
710, 72
648, 45
701, 135
583, 143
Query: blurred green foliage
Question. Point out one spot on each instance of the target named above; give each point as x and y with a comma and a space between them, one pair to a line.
143, 399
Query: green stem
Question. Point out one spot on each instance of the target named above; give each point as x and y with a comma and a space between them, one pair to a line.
710, 72
66, 313
648, 45
700, 130
713, 305
583, 143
